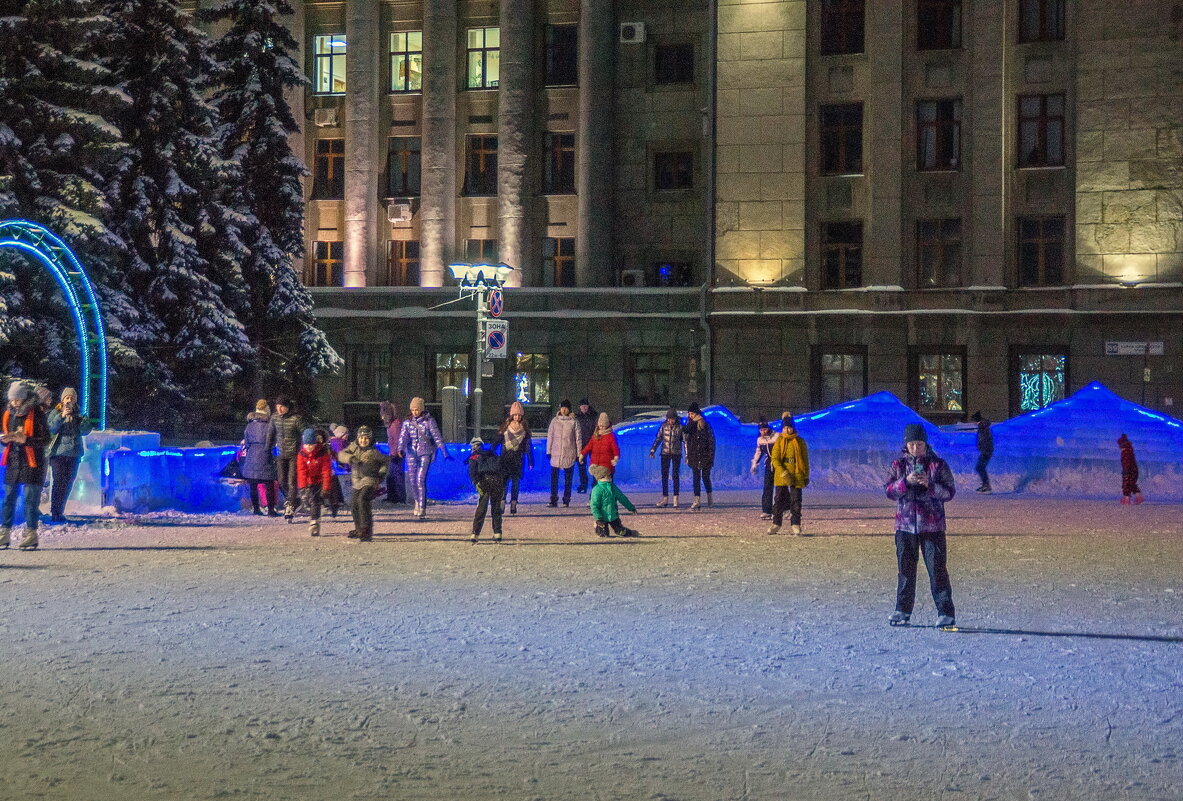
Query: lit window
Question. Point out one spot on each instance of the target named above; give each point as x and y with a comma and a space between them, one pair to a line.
484, 57
328, 264
451, 370
531, 378
328, 64
403, 263
1041, 380
940, 382
406, 61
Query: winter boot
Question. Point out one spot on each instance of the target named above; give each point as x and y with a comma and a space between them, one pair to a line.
946, 622
272, 511
5, 534
554, 503
664, 502
314, 528
774, 529
475, 537
1125, 500
675, 501
630, 532
1139, 498
496, 536
29, 543
796, 529
710, 500
288, 512
601, 529
899, 618
256, 509
513, 507
694, 507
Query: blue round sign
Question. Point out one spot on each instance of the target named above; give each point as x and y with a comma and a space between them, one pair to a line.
496, 340
496, 303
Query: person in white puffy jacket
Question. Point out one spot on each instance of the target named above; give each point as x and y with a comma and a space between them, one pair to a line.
563, 444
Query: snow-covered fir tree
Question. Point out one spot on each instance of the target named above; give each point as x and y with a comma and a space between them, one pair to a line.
183, 243
255, 67
56, 149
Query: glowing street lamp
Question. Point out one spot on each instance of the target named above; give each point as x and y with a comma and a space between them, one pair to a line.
479, 281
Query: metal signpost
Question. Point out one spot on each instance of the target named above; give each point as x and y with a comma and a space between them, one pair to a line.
484, 283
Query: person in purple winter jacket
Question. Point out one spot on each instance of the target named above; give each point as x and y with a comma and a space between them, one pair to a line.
920, 482
417, 443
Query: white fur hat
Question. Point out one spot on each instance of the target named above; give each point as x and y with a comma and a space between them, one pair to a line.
19, 391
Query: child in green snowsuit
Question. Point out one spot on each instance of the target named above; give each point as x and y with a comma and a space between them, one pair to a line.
604, 497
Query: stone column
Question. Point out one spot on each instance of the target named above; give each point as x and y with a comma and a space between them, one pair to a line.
883, 123
990, 121
515, 139
595, 144
437, 209
362, 163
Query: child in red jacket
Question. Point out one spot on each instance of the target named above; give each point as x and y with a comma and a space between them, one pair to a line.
314, 475
1129, 472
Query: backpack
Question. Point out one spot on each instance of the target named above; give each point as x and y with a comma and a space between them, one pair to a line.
488, 463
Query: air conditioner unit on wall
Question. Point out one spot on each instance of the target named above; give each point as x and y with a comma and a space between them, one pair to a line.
325, 117
632, 278
632, 33
398, 212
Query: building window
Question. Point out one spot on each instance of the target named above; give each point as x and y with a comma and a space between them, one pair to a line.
369, 372
559, 173
558, 261
480, 166
480, 251
938, 253
484, 57
673, 63
842, 255
841, 376
328, 180
531, 378
1041, 20
1041, 251
649, 378
939, 384
673, 171
328, 64
451, 370
842, 139
402, 263
406, 61
842, 26
562, 55
403, 166
1042, 379
328, 264
938, 134
1041, 131
938, 24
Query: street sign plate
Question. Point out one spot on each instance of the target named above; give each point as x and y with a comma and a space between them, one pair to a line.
496, 303
496, 339
1133, 349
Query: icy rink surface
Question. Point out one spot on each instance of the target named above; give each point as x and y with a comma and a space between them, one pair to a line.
203, 657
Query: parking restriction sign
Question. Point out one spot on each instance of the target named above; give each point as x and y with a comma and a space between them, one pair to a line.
496, 339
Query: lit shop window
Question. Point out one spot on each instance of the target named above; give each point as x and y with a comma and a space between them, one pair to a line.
531, 378
484, 57
406, 61
1041, 380
328, 64
940, 379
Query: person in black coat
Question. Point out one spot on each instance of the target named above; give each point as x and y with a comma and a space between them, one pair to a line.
24, 433
585, 418
700, 453
487, 474
288, 428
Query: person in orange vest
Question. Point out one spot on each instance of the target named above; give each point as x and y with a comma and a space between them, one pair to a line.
24, 434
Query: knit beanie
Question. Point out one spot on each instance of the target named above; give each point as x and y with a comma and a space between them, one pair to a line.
19, 391
914, 432
283, 400
584, 402
671, 414
44, 396
417, 404
309, 436
476, 443
786, 421
566, 404
341, 432
365, 431
262, 407
603, 421
516, 408
693, 408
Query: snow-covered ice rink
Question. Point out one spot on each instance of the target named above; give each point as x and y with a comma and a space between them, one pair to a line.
202, 657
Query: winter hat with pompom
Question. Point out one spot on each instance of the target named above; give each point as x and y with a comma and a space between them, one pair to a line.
603, 421
365, 431
262, 407
417, 404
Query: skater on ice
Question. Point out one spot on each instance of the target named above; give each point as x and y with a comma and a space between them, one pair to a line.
487, 475
765, 439
562, 446
1130, 492
67, 427
418, 441
605, 496
516, 451
985, 445
669, 440
368, 467
700, 455
258, 459
789, 457
314, 475
24, 433
920, 482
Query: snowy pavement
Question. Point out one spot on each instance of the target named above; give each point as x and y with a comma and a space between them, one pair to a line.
189, 657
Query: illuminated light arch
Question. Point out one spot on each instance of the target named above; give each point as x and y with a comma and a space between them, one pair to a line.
36, 241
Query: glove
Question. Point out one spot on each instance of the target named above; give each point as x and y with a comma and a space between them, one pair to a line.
614, 461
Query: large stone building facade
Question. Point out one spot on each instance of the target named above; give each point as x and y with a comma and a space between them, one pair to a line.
769, 204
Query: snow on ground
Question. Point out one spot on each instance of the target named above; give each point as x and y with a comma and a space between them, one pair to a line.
198, 657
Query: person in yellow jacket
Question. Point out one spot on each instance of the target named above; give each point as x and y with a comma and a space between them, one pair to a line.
790, 475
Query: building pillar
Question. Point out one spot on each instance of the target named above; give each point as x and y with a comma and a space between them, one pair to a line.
437, 209
989, 165
361, 142
883, 118
515, 140
595, 144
